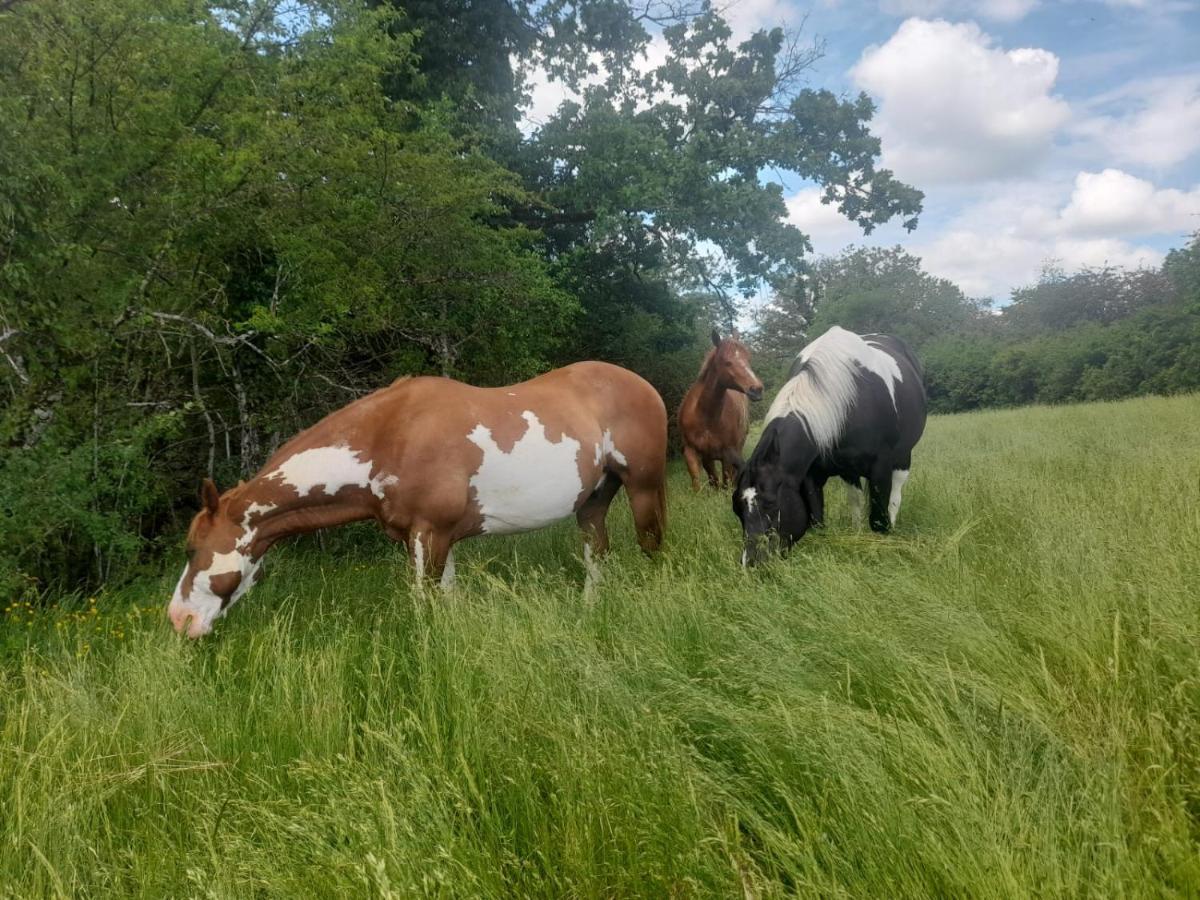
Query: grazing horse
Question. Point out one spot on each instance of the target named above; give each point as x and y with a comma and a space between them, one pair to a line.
854, 407
435, 461
715, 413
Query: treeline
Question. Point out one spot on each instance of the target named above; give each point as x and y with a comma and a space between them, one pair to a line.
1097, 334
220, 220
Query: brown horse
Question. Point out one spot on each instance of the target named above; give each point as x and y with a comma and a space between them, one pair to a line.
435, 461
715, 414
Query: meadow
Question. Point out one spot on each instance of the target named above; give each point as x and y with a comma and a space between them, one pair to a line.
1000, 699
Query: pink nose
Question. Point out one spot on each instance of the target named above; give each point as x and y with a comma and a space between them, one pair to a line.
183, 618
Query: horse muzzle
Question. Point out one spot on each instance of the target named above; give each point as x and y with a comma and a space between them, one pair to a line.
759, 549
186, 620
755, 393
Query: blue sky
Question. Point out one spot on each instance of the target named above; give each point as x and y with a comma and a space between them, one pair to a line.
1040, 130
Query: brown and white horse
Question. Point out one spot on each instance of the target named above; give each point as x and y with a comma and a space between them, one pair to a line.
435, 461
715, 413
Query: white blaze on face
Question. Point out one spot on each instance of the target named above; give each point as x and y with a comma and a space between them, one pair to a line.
331, 468
202, 606
748, 495
534, 484
743, 362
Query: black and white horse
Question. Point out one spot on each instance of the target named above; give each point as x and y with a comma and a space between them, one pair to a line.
853, 407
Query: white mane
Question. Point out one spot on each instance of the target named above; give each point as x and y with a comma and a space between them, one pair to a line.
823, 391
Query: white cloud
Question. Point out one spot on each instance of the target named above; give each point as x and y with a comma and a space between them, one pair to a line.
1153, 122
1103, 218
545, 98
827, 228
748, 16
1113, 202
992, 263
996, 10
955, 108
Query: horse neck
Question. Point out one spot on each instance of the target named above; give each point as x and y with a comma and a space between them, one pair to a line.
712, 392
290, 515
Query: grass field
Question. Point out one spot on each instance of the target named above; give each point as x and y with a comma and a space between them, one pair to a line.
1000, 699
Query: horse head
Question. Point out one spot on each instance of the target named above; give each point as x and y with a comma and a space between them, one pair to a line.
220, 567
731, 365
769, 497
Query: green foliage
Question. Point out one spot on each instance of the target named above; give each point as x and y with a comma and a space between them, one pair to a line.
218, 215
1104, 295
1016, 714
1098, 334
72, 516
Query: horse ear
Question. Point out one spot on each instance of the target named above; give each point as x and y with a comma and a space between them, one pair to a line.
716, 338
210, 497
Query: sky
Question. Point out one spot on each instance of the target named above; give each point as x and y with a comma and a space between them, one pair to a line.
1041, 131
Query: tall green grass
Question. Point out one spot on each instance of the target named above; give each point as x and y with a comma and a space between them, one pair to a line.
1000, 699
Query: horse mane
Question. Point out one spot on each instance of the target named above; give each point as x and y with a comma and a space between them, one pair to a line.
823, 389
708, 361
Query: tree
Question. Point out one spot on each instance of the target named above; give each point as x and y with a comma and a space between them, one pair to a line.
1094, 294
215, 226
869, 289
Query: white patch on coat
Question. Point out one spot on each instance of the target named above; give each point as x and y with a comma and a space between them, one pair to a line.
749, 495
609, 450
823, 392
249, 533
855, 501
534, 484
254, 509
899, 476
331, 468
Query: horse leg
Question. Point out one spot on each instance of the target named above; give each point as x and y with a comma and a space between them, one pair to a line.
854, 500
729, 471
692, 458
880, 489
648, 500
899, 476
710, 466
591, 518
429, 551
